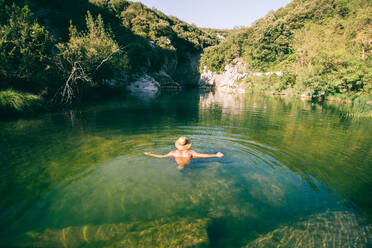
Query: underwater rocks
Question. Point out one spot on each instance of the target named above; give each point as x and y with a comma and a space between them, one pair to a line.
159, 233
328, 229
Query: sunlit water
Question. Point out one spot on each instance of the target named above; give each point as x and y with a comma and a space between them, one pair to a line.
295, 174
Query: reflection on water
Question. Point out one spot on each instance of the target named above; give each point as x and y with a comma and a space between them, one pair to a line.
228, 103
294, 173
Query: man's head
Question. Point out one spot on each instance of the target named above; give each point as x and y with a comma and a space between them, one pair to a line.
183, 143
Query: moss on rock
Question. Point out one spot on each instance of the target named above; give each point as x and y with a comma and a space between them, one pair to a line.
158, 233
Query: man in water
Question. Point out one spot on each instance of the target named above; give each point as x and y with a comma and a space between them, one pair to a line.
183, 155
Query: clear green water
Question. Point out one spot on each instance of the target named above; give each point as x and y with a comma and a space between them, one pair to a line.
295, 174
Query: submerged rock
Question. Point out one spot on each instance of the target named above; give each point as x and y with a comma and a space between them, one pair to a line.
328, 229
159, 233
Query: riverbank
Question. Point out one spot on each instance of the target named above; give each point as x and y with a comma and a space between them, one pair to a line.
15, 104
237, 79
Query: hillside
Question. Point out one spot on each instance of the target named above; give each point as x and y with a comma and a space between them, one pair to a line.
322, 47
87, 49
79, 49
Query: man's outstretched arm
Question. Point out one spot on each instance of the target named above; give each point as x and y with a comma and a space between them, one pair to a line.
205, 155
159, 156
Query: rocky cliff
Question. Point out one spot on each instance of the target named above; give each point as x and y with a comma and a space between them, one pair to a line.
233, 79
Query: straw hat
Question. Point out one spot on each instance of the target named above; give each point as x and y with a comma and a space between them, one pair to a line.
183, 143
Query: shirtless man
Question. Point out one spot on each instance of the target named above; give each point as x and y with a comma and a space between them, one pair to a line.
183, 155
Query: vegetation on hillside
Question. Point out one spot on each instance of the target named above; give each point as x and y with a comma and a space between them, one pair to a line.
323, 47
25, 51
66, 51
89, 58
79, 48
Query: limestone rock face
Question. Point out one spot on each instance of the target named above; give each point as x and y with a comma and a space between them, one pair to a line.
232, 79
187, 71
228, 81
184, 70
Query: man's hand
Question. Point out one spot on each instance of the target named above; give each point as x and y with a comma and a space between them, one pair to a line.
219, 155
146, 153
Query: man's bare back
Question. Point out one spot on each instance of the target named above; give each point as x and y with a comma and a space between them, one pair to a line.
182, 155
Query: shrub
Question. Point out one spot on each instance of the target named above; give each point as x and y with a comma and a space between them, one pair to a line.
25, 50
88, 58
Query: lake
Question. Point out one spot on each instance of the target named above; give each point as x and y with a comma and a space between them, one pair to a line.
294, 174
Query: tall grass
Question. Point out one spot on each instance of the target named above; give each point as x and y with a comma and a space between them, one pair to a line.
15, 102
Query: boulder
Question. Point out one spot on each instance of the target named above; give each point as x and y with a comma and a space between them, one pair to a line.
145, 86
165, 81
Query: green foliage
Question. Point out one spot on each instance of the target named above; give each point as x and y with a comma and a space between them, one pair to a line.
25, 50
150, 38
90, 48
88, 59
149, 41
268, 41
329, 60
14, 102
164, 31
215, 58
343, 8
323, 47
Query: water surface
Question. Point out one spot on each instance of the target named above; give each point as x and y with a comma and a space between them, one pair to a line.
295, 173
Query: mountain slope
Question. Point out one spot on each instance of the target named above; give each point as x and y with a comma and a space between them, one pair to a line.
75, 36
322, 46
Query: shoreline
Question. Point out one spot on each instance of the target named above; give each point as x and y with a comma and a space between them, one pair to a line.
21, 104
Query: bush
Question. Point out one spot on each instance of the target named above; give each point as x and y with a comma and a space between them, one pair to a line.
25, 50
328, 61
88, 58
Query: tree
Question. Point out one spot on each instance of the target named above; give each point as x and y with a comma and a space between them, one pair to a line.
87, 58
25, 50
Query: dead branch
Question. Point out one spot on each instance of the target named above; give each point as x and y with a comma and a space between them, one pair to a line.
66, 93
108, 58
